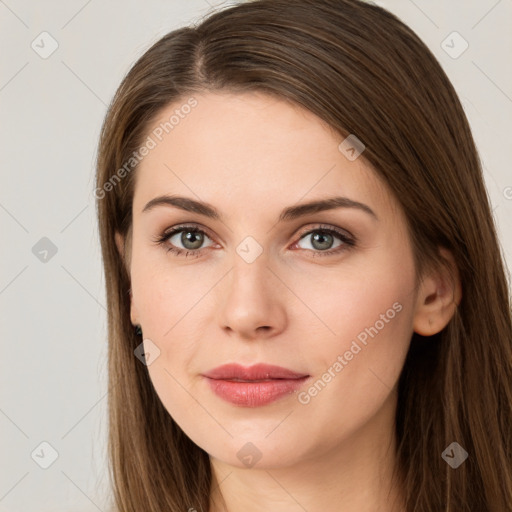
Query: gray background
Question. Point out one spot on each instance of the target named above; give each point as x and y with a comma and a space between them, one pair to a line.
52, 306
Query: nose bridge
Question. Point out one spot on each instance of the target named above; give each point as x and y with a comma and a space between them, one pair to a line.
249, 298
251, 250
250, 271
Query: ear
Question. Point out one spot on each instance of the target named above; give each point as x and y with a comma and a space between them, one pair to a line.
120, 243
438, 297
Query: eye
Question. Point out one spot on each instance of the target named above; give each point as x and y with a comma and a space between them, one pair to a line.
322, 239
191, 239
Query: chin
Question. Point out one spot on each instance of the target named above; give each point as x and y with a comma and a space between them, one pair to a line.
256, 451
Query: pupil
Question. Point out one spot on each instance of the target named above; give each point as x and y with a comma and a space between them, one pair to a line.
318, 237
193, 237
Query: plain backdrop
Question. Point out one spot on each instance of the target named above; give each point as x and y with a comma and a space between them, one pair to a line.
52, 300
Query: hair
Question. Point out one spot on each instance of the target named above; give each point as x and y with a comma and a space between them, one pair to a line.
357, 67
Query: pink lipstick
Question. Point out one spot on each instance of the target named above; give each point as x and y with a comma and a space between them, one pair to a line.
253, 386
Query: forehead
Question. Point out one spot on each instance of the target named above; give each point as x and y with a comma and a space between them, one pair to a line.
253, 149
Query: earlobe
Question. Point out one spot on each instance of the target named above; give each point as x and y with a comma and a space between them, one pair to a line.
119, 243
133, 314
439, 295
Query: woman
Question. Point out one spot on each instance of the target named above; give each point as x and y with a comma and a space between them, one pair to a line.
246, 372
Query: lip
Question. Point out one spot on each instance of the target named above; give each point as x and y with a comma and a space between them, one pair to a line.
256, 372
253, 386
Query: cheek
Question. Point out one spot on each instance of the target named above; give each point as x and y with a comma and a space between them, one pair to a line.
372, 329
171, 302
371, 313
362, 301
168, 302
164, 293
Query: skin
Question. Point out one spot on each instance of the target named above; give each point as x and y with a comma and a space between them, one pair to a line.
251, 155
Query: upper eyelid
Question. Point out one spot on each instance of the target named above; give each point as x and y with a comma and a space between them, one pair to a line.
179, 228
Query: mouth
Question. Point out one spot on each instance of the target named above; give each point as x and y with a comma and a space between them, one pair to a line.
257, 372
254, 386
252, 380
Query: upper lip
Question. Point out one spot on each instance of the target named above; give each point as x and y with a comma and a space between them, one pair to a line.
256, 372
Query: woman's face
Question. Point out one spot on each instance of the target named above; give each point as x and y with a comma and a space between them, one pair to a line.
257, 288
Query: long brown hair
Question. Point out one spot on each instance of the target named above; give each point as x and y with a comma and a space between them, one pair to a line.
362, 71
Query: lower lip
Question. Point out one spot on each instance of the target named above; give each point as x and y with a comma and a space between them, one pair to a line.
254, 394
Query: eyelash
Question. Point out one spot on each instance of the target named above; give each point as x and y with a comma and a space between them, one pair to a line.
348, 242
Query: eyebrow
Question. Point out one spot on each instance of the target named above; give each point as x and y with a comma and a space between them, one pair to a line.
290, 213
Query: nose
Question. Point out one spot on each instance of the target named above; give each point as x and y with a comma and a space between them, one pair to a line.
251, 301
